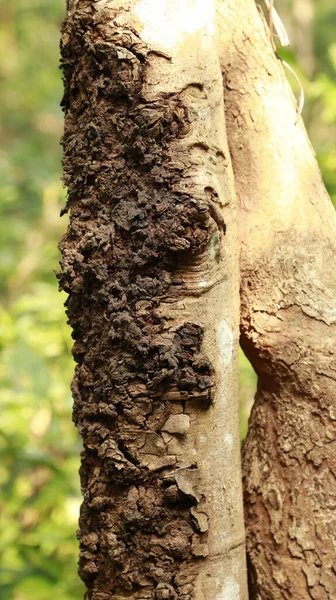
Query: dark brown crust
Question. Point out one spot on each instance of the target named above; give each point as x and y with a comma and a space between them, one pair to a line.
128, 233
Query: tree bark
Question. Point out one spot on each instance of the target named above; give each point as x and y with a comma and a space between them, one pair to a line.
287, 232
150, 263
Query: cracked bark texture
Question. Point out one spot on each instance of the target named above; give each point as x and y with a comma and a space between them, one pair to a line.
288, 315
150, 265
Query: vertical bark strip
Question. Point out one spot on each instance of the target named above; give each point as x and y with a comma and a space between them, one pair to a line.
150, 264
288, 320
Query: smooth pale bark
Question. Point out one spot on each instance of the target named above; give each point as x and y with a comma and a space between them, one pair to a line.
150, 262
288, 315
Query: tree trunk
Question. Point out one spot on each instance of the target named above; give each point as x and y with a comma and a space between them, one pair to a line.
150, 263
288, 316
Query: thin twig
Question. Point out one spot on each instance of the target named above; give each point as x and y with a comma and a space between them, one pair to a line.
301, 100
276, 23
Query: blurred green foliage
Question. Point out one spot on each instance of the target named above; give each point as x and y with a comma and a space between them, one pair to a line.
319, 112
39, 448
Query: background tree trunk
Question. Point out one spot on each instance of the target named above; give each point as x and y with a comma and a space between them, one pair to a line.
298, 18
288, 316
150, 262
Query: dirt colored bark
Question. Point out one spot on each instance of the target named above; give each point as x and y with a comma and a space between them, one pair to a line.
150, 263
288, 315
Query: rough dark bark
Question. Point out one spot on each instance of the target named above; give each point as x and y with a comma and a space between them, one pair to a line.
288, 320
148, 256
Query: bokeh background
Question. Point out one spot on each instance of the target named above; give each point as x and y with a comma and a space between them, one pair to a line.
39, 447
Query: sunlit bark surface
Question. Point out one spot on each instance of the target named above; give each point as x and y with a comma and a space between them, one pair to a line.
288, 315
150, 263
